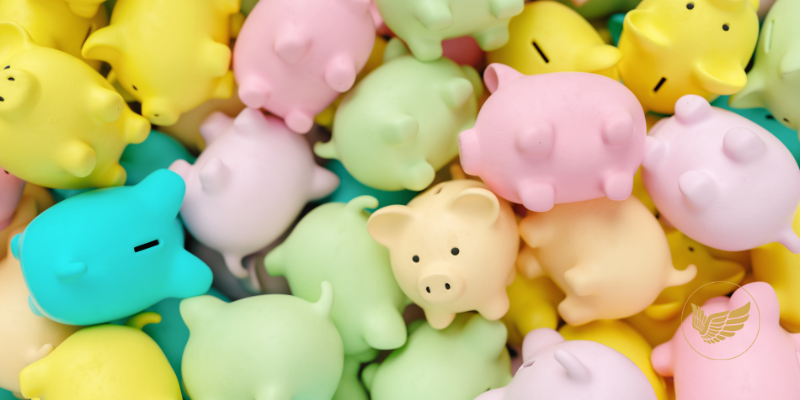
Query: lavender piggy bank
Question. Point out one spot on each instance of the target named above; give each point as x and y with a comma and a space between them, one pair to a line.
555, 369
555, 138
249, 185
721, 179
294, 57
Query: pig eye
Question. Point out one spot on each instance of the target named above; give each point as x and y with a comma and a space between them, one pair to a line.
145, 246
787, 121
7, 67
690, 6
415, 259
135, 88
2, 99
454, 251
691, 248
725, 27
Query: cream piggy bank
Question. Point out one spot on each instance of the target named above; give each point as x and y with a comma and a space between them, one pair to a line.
452, 250
611, 258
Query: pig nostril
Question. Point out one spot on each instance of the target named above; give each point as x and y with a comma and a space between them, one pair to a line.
447, 286
415, 259
454, 251
428, 289
155, 115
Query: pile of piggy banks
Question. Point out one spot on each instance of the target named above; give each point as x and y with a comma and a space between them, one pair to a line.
399, 199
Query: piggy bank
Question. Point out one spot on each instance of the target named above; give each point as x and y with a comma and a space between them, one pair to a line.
529, 148
708, 169
621, 337
102, 362
249, 185
594, 9
775, 265
316, 50
172, 334
610, 258
774, 81
85, 8
180, 60
452, 250
659, 321
158, 151
550, 37
369, 304
108, 254
533, 305
400, 124
227, 356
52, 24
457, 363
671, 49
61, 124
732, 348
26, 337
11, 189
575, 369
423, 24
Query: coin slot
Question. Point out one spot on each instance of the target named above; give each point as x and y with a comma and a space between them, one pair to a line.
145, 246
660, 83
541, 53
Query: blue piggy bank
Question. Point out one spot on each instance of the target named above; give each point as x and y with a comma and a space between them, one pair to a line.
110, 253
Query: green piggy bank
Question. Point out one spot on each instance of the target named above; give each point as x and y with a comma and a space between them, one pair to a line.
400, 124
268, 347
459, 362
774, 81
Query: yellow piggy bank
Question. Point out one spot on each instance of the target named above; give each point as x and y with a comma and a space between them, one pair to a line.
673, 48
51, 24
85, 8
780, 268
104, 362
533, 305
658, 322
550, 37
171, 55
624, 339
61, 124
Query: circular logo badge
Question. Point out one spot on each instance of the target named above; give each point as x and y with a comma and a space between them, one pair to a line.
721, 329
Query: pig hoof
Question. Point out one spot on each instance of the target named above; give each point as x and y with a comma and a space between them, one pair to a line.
254, 94
496, 308
575, 313
299, 121
439, 319
618, 186
536, 140
618, 129
426, 50
539, 197
743, 145
698, 188
492, 38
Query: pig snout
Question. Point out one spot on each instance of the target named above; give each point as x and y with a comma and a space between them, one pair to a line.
440, 285
160, 111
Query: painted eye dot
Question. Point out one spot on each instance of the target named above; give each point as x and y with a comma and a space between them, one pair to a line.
135, 88
7, 67
454, 251
2, 99
691, 249
725, 27
690, 6
786, 120
415, 259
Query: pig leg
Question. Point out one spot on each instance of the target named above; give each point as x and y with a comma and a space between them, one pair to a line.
537, 196
502, 9
618, 185
254, 92
575, 312
299, 121
439, 319
136, 128
349, 386
426, 49
114, 176
581, 279
492, 38
495, 308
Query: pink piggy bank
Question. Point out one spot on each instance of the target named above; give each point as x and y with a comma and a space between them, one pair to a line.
555, 138
10, 192
294, 57
555, 369
452, 250
733, 349
721, 179
249, 184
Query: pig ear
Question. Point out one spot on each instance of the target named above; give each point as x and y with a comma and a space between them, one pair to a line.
491, 334
394, 49
598, 58
385, 224
476, 204
214, 176
498, 75
214, 125
162, 192
192, 277
720, 77
576, 370
104, 45
639, 24
538, 339
323, 183
457, 92
325, 302
12, 38
196, 310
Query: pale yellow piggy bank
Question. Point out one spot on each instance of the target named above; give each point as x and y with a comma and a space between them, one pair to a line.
24, 337
611, 258
52, 24
171, 55
452, 250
